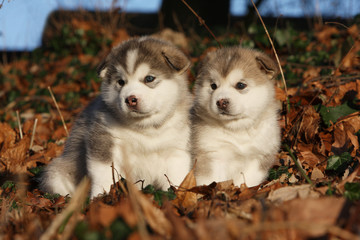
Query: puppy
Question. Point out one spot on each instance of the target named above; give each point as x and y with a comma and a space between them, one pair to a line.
140, 122
235, 133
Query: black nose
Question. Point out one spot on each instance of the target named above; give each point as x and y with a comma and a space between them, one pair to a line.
131, 101
222, 104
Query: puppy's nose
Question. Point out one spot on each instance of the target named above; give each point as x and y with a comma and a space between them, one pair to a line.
222, 104
131, 101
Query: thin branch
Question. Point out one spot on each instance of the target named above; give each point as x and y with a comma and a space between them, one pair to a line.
58, 109
328, 81
202, 22
113, 173
337, 23
2, 3
19, 124
33, 134
299, 167
277, 57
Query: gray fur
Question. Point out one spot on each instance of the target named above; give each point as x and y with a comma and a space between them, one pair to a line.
90, 137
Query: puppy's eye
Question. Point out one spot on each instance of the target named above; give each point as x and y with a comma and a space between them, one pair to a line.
149, 79
121, 82
213, 86
241, 86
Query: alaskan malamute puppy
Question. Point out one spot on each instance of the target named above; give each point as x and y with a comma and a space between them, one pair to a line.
236, 134
140, 122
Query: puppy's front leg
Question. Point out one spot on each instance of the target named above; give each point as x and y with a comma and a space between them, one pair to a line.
210, 168
178, 166
252, 174
100, 174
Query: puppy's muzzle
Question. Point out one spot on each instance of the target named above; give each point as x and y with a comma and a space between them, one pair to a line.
131, 101
223, 104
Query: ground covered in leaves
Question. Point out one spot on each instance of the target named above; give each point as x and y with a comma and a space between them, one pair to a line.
312, 192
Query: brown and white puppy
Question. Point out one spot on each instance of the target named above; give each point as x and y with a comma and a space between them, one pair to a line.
235, 134
140, 122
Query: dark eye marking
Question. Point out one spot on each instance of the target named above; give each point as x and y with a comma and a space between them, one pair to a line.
121, 82
240, 85
149, 79
213, 86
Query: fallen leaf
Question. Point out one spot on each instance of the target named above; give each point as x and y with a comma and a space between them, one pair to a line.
293, 179
14, 157
310, 124
309, 158
153, 215
7, 136
324, 35
321, 213
186, 200
316, 174
291, 192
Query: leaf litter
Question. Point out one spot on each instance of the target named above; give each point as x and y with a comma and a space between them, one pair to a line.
322, 130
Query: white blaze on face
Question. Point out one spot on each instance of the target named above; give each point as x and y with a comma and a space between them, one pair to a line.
226, 90
131, 57
245, 103
135, 87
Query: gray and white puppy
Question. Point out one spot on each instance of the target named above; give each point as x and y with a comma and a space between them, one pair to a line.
236, 134
140, 122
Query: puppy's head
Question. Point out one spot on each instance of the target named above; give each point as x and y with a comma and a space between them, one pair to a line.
234, 86
143, 79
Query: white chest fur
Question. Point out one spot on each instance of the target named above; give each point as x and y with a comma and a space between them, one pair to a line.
236, 154
145, 154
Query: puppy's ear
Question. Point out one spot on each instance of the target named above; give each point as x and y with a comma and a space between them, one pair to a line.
102, 69
176, 59
267, 65
205, 58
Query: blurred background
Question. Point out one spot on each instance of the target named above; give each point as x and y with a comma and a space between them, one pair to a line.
23, 23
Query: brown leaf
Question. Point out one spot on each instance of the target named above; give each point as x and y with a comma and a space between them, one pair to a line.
180, 230
185, 199
324, 35
280, 94
7, 136
307, 156
354, 141
53, 150
354, 122
325, 141
247, 193
321, 212
351, 59
311, 73
101, 214
40, 202
14, 157
153, 215
350, 178
340, 139
316, 174
291, 192
310, 124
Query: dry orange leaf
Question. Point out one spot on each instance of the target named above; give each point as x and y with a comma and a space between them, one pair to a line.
14, 157
7, 136
185, 199
321, 213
